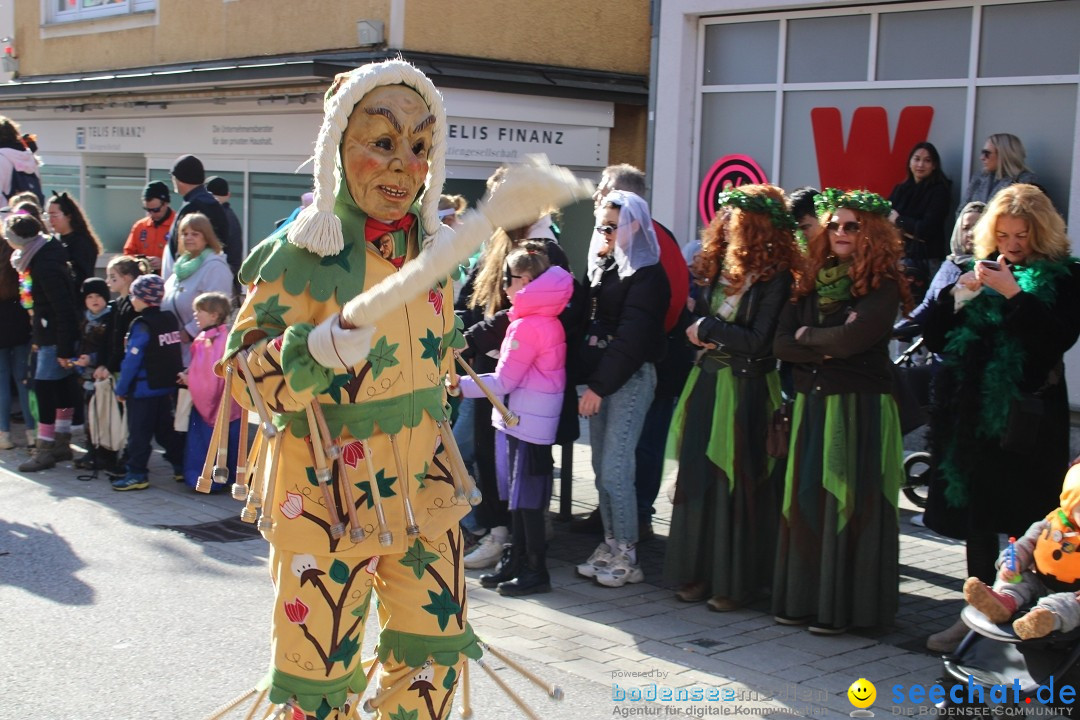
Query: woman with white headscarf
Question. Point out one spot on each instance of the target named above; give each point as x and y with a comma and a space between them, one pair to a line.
628, 298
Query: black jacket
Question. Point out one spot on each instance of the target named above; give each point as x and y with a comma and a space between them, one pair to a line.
858, 352
111, 353
56, 320
748, 338
199, 200
234, 249
630, 313
924, 214
82, 253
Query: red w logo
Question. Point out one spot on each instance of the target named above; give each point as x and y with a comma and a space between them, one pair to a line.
868, 161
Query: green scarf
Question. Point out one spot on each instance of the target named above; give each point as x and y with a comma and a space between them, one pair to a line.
983, 322
833, 286
186, 265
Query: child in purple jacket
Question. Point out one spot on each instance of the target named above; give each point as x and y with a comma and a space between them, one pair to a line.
532, 371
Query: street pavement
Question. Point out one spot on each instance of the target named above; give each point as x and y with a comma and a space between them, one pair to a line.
105, 613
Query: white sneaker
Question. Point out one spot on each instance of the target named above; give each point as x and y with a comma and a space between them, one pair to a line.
619, 572
597, 562
488, 551
5, 440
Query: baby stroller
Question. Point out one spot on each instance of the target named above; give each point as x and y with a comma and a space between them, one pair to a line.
914, 373
993, 655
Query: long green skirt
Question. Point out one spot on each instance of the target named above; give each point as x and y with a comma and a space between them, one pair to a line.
837, 561
727, 496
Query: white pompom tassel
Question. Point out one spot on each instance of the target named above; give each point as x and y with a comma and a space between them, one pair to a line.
317, 231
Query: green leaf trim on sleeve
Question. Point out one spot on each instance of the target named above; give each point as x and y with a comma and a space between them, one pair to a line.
301, 370
413, 649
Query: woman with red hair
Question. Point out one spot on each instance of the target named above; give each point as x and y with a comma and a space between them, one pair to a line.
723, 526
837, 562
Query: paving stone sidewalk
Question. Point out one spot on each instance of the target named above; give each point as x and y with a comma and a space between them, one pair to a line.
640, 634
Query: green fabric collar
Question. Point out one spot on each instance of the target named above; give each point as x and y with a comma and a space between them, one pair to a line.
833, 286
186, 265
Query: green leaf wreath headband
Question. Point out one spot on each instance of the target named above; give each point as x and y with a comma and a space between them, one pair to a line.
831, 199
762, 204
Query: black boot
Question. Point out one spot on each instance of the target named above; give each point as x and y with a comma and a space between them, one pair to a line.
513, 559
533, 578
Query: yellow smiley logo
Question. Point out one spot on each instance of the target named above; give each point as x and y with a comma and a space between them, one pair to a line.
862, 693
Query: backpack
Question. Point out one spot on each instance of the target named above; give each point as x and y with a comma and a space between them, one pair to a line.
26, 182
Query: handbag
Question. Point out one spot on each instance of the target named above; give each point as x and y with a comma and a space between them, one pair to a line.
778, 435
182, 416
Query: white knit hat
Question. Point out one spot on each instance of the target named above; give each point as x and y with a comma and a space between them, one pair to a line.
316, 228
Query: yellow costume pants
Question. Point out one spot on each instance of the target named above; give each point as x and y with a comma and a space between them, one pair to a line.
321, 606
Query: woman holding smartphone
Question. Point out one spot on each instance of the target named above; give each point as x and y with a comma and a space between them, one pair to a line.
1001, 415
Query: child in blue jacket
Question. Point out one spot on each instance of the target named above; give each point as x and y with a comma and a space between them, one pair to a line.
147, 383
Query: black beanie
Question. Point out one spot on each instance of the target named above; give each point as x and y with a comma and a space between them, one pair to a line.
217, 186
189, 169
95, 286
156, 190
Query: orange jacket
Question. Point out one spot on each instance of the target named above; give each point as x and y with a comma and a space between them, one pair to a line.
147, 238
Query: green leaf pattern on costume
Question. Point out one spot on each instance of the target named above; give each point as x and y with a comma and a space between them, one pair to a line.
455, 338
341, 260
421, 476
448, 681
443, 606
431, 343
402, 714
311, 476
336, 385
271, 313
339, 572
386, 487
418, 558
345, 650
382, 356
360, 610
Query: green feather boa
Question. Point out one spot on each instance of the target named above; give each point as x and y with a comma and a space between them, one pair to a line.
983, 322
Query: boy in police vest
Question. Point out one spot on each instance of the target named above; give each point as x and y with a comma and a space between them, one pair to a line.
147, 383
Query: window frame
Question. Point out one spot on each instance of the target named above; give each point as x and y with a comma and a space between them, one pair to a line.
118, 8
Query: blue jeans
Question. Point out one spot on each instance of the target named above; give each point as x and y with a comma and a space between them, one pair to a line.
13, 364
649, 453
613, 433
465, 438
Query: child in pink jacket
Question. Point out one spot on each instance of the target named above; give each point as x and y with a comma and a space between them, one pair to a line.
211, 314
532, 371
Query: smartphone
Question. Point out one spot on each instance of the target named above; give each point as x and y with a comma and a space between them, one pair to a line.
992, 264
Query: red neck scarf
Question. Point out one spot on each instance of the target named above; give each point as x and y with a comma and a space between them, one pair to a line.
390, 238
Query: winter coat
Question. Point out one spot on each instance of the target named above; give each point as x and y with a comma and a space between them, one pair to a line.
984, 186
56, 319
628, 313
532, 360
11, 160
923, 214
858, 351
1006, 490
214, 275
205, 386
197, 200
116, 327
82, 254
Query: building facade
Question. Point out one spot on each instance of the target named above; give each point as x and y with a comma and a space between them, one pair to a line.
115, 90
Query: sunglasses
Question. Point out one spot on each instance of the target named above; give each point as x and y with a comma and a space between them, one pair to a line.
986, 153
850, 228
607, 230
509, 277
154, 209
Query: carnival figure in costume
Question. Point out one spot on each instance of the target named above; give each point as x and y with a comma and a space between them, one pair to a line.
1043, 565
342, 347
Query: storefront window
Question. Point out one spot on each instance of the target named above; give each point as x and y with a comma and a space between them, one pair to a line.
904, 37
273, 198
69, 10
113, 202
727, 48
828, 49
1030, 39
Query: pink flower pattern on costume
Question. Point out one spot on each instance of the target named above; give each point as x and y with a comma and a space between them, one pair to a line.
296, 611
293, 506
353, 453
436, 300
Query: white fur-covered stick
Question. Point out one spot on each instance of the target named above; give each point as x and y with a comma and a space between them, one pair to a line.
527, 190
